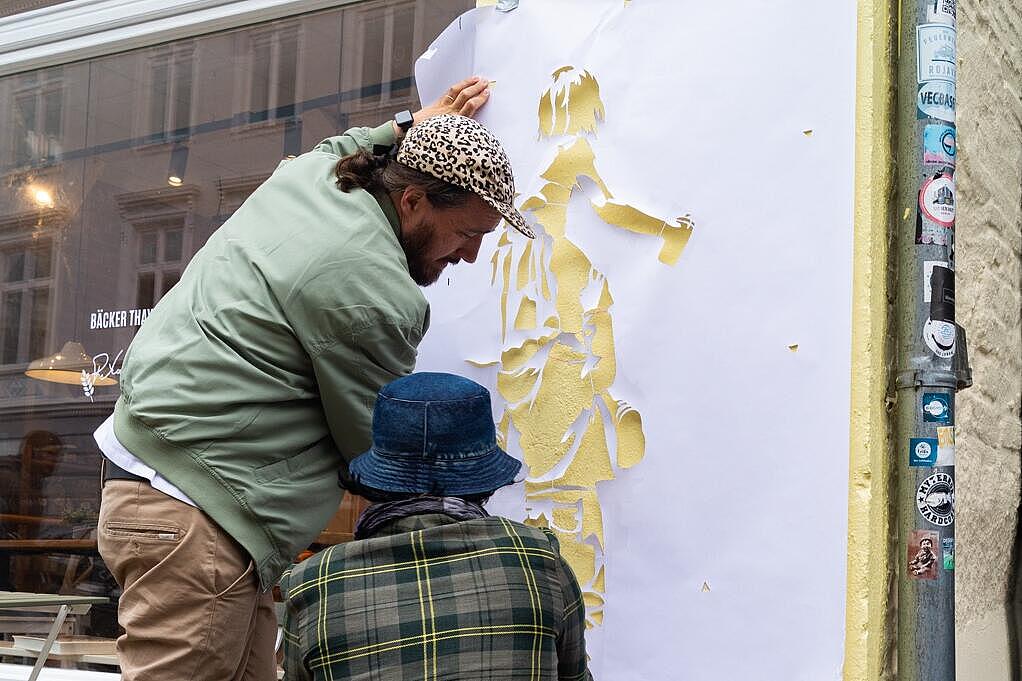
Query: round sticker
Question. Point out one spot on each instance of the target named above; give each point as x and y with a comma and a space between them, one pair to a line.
935, 499
935, 408
947, 142
940, 338
937, 199
923, 450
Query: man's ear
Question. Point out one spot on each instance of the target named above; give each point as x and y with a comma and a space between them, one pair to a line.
413, 200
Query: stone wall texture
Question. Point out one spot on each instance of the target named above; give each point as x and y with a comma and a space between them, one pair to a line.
989, 297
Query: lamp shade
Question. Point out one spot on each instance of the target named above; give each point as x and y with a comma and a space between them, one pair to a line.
66, 366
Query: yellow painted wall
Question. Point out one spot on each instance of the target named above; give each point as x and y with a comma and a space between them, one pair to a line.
868, 640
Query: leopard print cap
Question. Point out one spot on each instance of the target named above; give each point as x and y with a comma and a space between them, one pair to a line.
459, 150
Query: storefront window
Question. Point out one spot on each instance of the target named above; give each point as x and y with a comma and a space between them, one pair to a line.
113, 173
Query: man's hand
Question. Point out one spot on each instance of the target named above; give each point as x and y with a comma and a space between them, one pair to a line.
464, 98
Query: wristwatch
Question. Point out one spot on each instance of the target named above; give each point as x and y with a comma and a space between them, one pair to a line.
403, 120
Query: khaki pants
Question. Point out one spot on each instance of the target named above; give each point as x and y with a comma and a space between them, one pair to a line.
191, 607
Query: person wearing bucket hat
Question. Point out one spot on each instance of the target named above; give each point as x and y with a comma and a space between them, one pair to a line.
432, 581
252, 382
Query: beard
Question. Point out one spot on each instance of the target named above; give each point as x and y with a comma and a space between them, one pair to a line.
423, 270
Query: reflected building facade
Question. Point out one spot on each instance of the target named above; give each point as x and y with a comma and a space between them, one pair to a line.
113, 172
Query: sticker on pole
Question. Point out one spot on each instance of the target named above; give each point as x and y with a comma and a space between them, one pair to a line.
939, 331
939, 144
935, 499
936, 99
936, 408
937, 199
948, 546
936, 57
922, 451
929, 232
940, 338
928, 266
940, 12
945, 445
922, 561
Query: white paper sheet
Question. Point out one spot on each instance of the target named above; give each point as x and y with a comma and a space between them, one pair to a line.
725, 545
450, 58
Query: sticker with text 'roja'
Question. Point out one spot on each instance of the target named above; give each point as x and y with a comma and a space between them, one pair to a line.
936, 53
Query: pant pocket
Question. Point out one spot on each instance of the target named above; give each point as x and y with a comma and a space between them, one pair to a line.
141, 531
233, 585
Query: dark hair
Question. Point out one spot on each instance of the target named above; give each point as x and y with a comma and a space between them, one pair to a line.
378, 174
379, 496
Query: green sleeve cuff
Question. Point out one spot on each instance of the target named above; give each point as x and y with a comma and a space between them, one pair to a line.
383, 135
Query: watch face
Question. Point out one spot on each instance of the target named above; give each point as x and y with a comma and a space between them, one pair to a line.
404, 119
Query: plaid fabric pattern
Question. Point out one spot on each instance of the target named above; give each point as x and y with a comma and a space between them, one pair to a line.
430, 598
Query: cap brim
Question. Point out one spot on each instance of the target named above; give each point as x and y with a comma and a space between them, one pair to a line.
395, 473
513, 217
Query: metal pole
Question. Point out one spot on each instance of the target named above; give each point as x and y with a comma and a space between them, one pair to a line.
931, 356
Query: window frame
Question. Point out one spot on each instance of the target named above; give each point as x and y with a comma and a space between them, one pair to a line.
27, 286
172, 57
47, 147
272, 36
94, 28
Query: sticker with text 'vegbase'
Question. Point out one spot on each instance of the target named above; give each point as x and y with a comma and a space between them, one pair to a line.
936, 99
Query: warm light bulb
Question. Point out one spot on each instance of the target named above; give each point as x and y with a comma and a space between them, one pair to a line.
43, 198
174, 181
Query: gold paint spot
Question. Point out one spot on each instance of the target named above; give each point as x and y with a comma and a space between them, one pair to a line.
793, 347
565, 519
808, 132
579, 556
675, 236
706, 587
576, 103
908, 212
523, 267
526, 317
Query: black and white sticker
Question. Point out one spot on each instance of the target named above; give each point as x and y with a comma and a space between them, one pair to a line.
939, 331
940, 12
935, 499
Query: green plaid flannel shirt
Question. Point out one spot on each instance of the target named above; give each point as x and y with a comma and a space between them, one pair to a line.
430, 598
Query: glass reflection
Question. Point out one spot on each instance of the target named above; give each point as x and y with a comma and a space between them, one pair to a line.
113, 172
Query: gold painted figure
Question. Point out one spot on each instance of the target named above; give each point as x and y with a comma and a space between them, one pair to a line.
557, 366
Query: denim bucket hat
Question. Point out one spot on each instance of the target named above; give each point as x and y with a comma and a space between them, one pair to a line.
433, 434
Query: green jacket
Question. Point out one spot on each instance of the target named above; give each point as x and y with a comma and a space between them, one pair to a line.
252, 382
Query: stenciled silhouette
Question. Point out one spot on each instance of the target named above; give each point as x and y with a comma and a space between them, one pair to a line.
557, 365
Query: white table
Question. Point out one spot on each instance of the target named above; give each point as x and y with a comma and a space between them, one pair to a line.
65, 605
